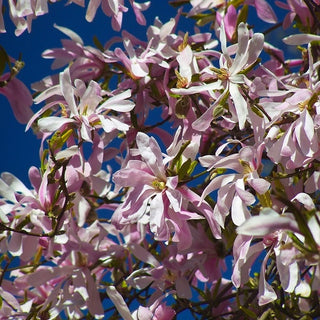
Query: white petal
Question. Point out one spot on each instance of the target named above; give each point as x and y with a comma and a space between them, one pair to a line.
51, 124
71, 34
240, 104
267, 222
119, 303
298, 39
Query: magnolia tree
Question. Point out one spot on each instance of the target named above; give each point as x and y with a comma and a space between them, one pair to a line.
178, 173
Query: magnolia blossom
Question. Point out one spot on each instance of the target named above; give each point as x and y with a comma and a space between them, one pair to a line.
230, 75
23, 12
85, 62
115, 10
157, 198
296, 8
298, 144
263, 8
232, 193
271, 227
75, 283
88, 114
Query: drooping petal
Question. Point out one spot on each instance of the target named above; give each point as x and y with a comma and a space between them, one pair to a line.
259, 185
20, 99
255, 47
289, 273
92, 9
183, 288
240, 104
157, 210
266, 223
266, 293
143, 254
71, 34
306, 200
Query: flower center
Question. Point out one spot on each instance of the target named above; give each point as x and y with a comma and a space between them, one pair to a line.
158, 185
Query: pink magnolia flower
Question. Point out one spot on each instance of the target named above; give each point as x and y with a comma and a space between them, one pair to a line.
88, 115
85, 62
297, 143
230, 76
232, 193
19, 205
138, 60
22, 12
263, 8
11, 308
157, 198
161, 37
272, 228
70, 284
157, 311
296, 8
115, 10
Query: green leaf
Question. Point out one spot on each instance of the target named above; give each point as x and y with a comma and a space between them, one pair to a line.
59, 139
243, 14
257, 111
216, 289
183, 171
98, 44
218, 111
205, 18
192, 166
248, 312
177, 157
265, 199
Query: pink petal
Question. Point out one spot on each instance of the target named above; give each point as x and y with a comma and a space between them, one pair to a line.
266, 223
19, 98
265, 12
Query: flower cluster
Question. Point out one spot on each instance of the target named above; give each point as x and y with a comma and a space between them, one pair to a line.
177, 172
